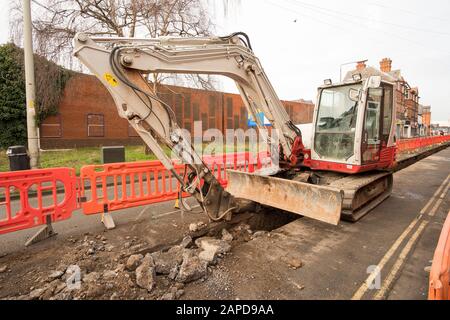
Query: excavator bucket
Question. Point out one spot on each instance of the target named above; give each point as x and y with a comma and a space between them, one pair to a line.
309, 200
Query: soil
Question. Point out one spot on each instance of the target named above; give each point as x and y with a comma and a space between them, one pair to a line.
43, 271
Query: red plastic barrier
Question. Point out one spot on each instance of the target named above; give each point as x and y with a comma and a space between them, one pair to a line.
241, 161
414, 144
439, 287
125, 185
29, 211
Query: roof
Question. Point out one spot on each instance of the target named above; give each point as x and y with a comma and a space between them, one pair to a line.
369, 71
303, 101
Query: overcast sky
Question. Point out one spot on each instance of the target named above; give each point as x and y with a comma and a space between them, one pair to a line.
302, 42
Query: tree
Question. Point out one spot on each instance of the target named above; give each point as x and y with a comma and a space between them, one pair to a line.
56, 22
50, 82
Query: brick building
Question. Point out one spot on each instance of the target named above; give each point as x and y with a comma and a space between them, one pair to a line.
426, 120
88, 116
406, 97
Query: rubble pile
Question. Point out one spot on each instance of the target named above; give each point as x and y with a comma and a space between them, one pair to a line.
92, 268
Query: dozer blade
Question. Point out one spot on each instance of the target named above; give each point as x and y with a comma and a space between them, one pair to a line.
313, 201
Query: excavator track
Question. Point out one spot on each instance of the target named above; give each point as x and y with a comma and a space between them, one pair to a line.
363, 193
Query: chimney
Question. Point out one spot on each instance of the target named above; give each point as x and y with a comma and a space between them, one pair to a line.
386, 65
361, 65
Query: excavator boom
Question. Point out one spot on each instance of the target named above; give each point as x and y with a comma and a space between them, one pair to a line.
122, 65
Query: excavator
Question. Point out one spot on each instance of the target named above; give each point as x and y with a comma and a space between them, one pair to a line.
342, 172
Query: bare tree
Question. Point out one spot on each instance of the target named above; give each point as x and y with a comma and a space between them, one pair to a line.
56, 22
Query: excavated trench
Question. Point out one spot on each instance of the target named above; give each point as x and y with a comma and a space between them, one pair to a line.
269, 219
266, 220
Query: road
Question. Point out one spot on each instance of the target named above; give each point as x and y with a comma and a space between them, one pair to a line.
338, 260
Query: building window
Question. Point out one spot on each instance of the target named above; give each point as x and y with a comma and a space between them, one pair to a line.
95, 125
51, 127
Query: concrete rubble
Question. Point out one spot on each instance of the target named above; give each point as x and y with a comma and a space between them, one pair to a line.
293, 262
132, 273
226, 236
211, 248
55, 275
192, 267
146, 274
194, 227
166, 261
258, 234
133, 262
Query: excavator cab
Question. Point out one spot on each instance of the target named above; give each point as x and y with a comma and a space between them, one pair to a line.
353, 130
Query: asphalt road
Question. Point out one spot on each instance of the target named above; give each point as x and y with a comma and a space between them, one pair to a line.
337, 260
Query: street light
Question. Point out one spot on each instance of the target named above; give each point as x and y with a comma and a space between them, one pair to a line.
32, 130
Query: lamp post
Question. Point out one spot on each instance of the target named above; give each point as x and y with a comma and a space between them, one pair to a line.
32, 130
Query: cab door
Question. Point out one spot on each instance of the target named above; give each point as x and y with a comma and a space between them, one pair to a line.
372, 130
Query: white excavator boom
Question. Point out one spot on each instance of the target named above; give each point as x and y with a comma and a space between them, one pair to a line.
122, 65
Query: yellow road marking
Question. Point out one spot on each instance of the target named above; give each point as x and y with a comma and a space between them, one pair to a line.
438, 203
399, 263
434, 195
365, 286
362, 290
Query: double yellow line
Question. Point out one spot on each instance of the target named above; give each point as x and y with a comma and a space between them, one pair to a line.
393, 272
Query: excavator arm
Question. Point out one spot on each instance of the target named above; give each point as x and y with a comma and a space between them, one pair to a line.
121, 64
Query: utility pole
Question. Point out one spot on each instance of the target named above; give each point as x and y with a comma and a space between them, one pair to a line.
32, 130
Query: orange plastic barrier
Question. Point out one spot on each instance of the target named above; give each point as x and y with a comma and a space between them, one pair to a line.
409, 145
241, 161
439, 288
125, 185
56, 196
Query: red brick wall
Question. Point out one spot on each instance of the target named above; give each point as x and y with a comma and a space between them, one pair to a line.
85, 95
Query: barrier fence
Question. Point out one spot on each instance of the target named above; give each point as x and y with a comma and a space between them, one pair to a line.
413, 144
29, 187
124, 185
439, 286
109, 187
119, 186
